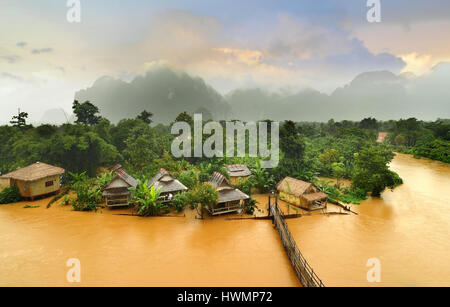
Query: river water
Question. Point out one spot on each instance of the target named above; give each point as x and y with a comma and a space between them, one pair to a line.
408, 230
115, 250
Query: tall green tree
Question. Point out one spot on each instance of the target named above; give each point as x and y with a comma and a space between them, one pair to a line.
86, 113
372, 170
146, 117
19, 120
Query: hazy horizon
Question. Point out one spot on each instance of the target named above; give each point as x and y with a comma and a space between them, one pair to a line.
303, 56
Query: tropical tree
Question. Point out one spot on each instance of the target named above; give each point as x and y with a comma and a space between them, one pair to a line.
372, 171
203, 195
147, 200
19, 120
261, 179
86, 113
146, 117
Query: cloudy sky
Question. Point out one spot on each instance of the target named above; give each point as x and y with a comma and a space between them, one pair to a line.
286, 45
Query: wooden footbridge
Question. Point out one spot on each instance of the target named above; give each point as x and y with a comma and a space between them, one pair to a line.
304, 272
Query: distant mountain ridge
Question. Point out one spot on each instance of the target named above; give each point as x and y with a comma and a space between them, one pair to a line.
379, 94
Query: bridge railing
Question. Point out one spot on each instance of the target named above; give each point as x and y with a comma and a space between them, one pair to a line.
304, 272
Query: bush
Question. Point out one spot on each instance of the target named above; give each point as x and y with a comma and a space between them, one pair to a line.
89, 195
10, 195
189, 179
180, 201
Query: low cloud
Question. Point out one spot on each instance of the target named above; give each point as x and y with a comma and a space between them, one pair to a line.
7, 75
11, 59
21, 44
43, 50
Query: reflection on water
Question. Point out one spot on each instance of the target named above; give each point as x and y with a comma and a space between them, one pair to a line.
123, 250
408, 229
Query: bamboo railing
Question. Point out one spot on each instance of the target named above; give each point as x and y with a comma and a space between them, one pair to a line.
304, 272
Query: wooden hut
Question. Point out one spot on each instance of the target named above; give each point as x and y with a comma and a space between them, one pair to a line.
238, 171
230, 199
38, 179
169, 185
302, 194
116, 192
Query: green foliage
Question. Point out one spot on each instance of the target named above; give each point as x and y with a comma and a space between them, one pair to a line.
86, 113
19, 120
261, 179
89, 195
185, 117
180, 201
368, 123
207, 169
10, 195
372, 171
30, 207
146, 117
345, 195
203, 195
146, 200
189, 178
104, 179
250, 206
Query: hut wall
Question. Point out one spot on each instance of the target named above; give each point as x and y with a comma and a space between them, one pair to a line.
39, 187
289, 198
4, 183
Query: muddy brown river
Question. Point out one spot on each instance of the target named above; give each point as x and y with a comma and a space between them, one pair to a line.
408, 230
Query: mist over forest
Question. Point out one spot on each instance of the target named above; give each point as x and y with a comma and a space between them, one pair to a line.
166, 93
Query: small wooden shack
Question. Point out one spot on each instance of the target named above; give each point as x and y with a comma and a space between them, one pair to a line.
238, 171
169, 185
302, 194
116, 192
36, 180
230, 199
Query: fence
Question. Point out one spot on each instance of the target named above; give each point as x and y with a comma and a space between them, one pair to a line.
302, 269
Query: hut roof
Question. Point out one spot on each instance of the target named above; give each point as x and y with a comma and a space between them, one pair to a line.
293, 186
315, 196
226, 191
34, 172
220, 182
165, 181
238, 170
121, 174
231, 195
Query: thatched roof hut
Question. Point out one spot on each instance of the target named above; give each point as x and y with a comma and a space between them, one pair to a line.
166, 182
34, 172
116, 192
230, 199
301, 193
35, 180
237, 171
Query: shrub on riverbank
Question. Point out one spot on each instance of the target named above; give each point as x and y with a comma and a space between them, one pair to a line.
89, 195
10, 195
347, 195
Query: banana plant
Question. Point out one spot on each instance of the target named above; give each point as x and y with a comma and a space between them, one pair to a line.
147, 199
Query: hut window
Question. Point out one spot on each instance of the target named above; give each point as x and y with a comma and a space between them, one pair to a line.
49, 184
